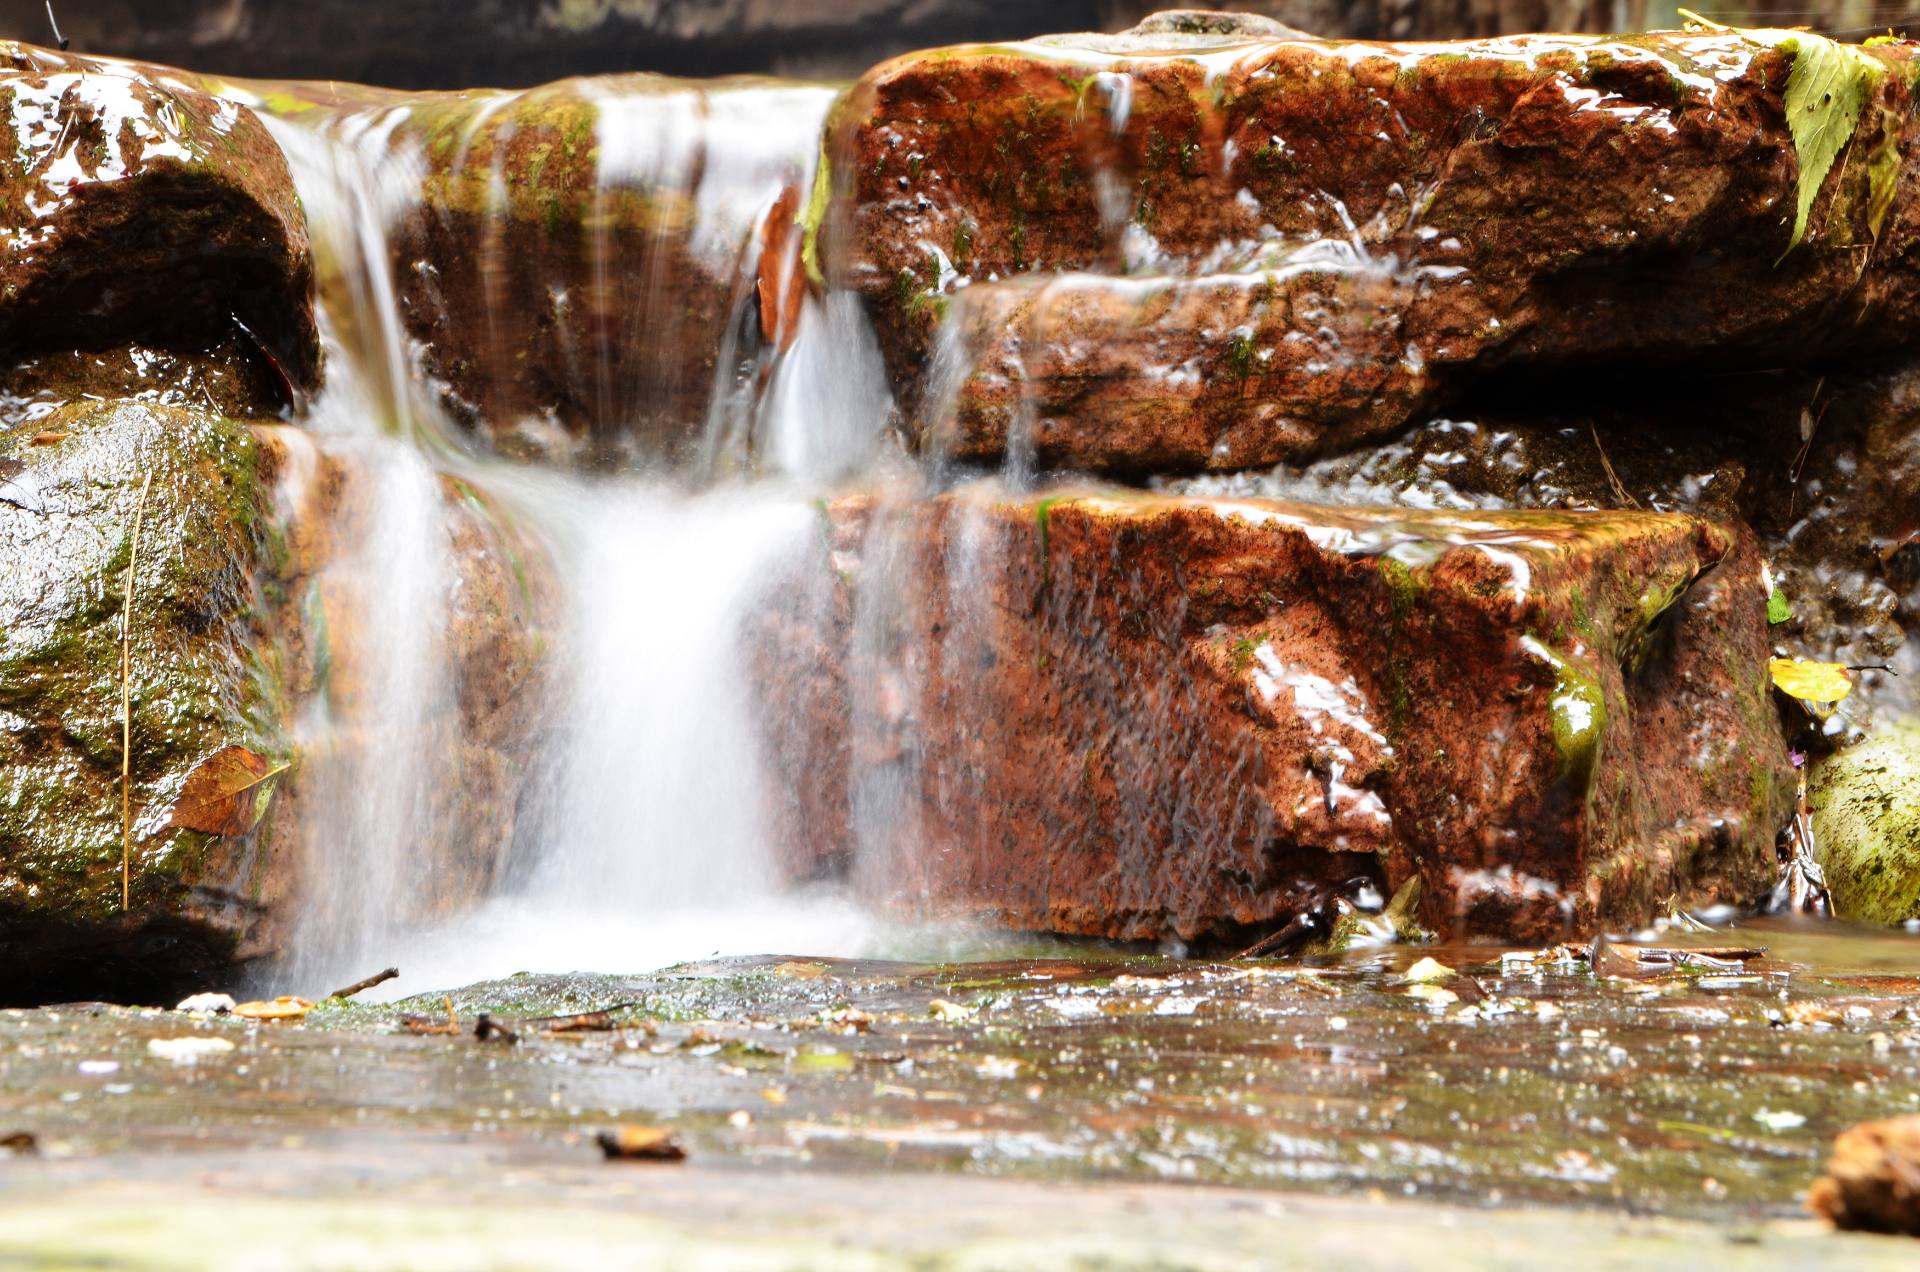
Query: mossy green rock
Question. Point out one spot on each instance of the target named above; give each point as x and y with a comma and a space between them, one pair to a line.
204, 676
1866, 825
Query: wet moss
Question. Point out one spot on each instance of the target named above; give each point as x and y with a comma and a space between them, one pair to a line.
205, 671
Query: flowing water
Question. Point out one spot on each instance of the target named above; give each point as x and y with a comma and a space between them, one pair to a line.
643, 837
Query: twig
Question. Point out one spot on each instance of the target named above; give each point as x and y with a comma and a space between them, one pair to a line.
54, 22
1809, 425
569, 1020
378, 978
1302, 926
126, 702
1613, 478
486, 1029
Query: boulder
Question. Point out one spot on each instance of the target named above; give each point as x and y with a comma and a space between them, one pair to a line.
1866, 825
136, 209
1872, 1182
1141, 717
1224, 254
207, 677
249, 700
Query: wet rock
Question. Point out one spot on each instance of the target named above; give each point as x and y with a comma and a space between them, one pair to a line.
1866, 823
1222, 258
136, 209
464, 740
1872, 1182
1139, 717
206, 674
1825, 468
576, 261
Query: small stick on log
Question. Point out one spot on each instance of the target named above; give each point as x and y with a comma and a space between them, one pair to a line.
601, 1019
54, 22
486, 1029
126, 698
1301, 927
378, 978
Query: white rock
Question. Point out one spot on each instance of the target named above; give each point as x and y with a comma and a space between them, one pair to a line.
187, 1050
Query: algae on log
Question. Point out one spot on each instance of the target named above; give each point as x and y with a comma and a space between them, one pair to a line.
1866, 825
207, 674
1217, 256
135, 208
1165, 717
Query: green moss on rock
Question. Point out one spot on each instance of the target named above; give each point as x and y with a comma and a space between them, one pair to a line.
1866, 826
203, 670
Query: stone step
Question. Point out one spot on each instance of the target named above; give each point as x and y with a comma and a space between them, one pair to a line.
1213, 253
1142, 717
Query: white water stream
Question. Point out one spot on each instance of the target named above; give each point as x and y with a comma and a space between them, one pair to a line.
643, 837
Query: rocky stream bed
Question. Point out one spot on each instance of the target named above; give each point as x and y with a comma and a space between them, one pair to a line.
1353, 573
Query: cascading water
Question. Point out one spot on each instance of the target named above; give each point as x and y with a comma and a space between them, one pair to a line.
646, 823
642, 835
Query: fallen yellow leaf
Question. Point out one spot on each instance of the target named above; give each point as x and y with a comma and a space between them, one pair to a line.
1810, 681
285, 1007
1427, 970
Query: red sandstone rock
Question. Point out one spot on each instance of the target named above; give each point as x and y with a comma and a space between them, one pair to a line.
1321, 240
136, 208
1136, 717
1873, 1179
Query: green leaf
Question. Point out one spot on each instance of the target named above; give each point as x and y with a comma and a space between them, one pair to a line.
1826, 90
1778, 611
817, 200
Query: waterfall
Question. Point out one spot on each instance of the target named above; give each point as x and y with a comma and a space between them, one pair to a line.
643, 832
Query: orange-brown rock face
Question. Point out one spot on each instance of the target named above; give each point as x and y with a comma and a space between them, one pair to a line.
1872, 1182
1139, 717
1168, 252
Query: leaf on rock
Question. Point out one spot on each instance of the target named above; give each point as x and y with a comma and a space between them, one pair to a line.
1810, 681
227, 794
1826, 91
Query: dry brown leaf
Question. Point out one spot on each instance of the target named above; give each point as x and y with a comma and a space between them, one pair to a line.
227, 794
640, 1144
1613, 959
48, 438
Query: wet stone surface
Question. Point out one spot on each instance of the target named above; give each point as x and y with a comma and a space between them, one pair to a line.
1704, 1094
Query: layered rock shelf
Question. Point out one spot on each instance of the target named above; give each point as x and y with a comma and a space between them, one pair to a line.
1157, 252
1132, 716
